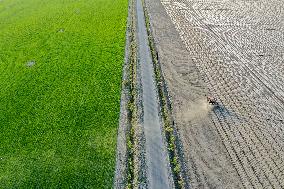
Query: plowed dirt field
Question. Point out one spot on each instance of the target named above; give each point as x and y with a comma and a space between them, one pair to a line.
232, 50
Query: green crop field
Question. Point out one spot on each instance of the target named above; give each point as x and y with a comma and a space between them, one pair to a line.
60, 77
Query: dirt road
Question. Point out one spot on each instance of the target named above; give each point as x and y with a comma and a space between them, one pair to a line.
232, 50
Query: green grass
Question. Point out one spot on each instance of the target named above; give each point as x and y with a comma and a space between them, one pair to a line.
59, 117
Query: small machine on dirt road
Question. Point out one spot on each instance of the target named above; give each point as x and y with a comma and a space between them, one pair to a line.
212, 100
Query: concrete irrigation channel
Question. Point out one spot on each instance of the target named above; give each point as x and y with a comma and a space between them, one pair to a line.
156, 152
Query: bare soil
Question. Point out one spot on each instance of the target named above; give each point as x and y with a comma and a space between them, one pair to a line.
232, 50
